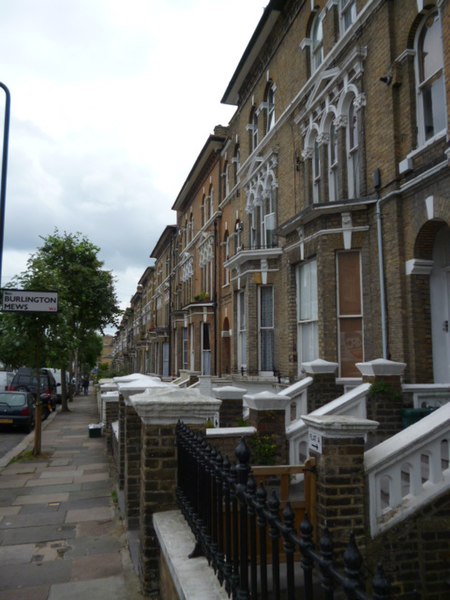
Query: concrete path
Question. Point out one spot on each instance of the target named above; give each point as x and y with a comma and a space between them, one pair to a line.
61, 537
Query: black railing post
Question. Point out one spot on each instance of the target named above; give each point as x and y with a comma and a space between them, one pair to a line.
228, 566
242, 470
307, 562
251, 491
212, 509
219, 518
380, 585
261, 499
326, 550
235, 530
274, 508
352, 567
289, 548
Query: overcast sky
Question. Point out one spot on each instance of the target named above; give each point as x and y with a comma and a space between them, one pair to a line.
111, 102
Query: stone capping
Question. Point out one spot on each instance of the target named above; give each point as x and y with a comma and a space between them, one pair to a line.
340, 426
230, 431
108, 387
191, 578
110, 397
167, 406
381, 367
229, 392
267, 401
124, 378
319, 367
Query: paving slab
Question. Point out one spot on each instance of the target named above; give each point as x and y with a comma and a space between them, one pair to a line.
25, 535
41, 498
90, 514
27, 593
100, 589
21, 576
20, 553
32, 520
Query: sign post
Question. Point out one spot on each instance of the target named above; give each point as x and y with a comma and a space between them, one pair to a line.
32, 302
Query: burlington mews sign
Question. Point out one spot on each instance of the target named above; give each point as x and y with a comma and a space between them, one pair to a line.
28, 301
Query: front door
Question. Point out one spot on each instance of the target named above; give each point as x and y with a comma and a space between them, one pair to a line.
440, 306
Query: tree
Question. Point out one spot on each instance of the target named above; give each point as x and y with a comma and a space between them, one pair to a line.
68, 264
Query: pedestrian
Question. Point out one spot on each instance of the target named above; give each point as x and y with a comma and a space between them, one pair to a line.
85, 385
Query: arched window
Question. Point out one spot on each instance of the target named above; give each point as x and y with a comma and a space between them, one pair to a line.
316, 43
431, 105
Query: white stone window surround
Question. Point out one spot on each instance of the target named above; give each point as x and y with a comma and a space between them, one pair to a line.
317, 132
261, 206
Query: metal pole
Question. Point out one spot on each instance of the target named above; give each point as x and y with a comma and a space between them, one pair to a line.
4, 172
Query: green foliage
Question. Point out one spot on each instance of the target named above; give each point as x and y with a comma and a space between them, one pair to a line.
263, 449
384, 388
68, 264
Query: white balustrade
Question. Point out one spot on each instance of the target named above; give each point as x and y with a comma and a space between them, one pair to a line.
409, 469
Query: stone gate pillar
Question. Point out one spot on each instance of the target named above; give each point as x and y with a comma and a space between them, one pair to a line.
160, 411
385, 399
338, 444
324, 388
268, 416
132, 445
231, 409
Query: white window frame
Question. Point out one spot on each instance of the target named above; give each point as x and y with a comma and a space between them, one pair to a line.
265, 329
347, 14
306, 273
435, 106
341, 317
270, 108
316, 170
242, 332
253, 127
333, 163
353, 151
316, 43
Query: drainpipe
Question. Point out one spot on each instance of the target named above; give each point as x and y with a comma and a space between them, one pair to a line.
377, 186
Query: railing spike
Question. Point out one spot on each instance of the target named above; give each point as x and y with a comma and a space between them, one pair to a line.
380, 584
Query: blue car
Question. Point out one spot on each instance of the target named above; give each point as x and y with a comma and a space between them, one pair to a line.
17, 409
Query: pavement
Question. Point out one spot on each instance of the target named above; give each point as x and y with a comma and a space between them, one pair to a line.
61, 536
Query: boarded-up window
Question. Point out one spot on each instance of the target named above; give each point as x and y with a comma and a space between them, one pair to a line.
350, 313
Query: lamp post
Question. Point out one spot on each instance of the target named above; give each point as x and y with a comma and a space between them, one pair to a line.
4, 172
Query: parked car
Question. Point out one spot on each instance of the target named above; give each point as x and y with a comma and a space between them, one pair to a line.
17, 409
5, 379
25, 380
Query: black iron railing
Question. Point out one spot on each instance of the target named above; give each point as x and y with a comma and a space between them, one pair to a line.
251, 548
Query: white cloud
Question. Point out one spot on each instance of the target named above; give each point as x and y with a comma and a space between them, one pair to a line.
110, 104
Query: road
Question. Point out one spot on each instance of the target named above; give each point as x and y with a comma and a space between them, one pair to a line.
9, 438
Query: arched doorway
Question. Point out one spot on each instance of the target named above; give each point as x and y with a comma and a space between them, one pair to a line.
440, 305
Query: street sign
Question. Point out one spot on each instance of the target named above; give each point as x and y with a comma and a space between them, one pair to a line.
315, 441
28, 301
